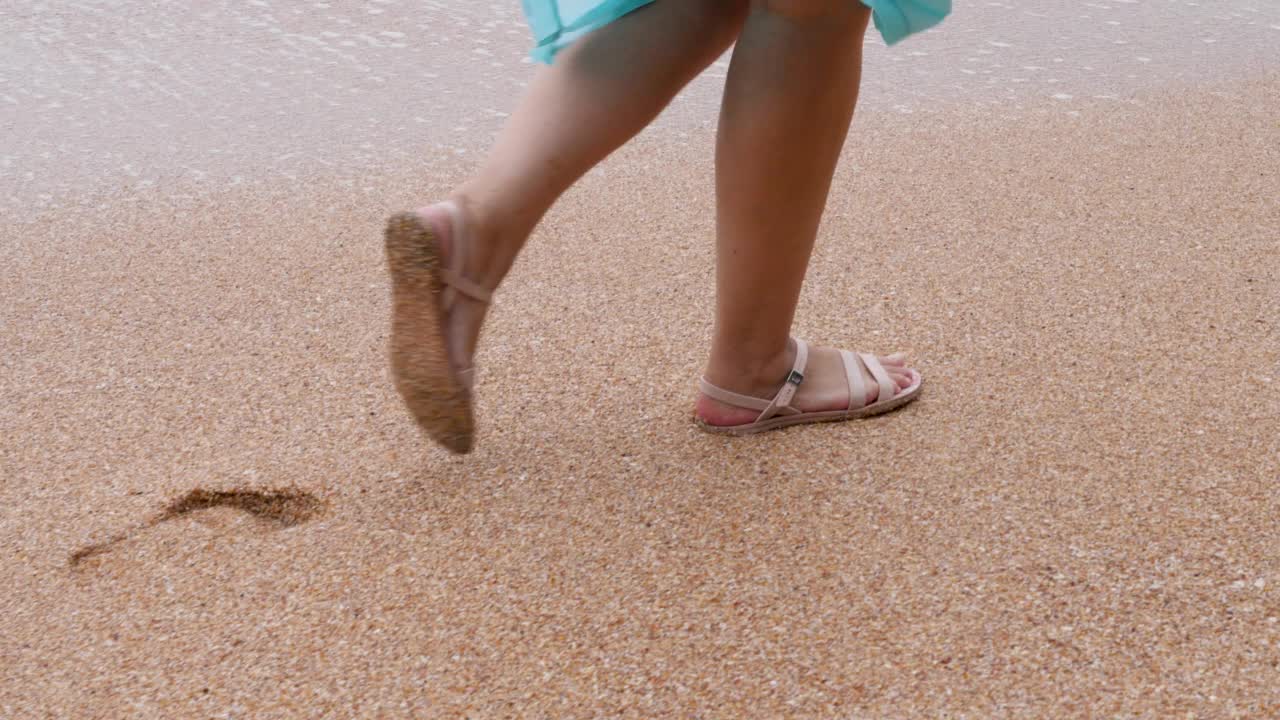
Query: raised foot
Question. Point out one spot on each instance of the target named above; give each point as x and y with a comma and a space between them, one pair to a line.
419, 352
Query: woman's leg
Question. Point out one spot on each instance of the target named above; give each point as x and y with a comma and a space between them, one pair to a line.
599, 93
788, 102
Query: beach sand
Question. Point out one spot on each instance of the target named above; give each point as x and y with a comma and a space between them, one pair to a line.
213, 504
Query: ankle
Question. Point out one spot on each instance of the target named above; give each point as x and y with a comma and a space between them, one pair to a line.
493, 245
746, 371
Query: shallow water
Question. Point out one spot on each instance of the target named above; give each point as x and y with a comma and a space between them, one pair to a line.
118, 96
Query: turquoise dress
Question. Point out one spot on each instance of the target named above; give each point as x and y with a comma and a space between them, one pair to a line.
556, 23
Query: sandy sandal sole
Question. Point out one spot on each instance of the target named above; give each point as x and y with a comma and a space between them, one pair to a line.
436, 397
877, 408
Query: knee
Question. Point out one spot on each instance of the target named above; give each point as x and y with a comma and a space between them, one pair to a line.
831, 13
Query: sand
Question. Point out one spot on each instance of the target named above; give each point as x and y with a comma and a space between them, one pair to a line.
214, 505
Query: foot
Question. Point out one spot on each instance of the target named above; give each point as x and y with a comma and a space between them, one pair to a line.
441, 265
465, 316
824, 388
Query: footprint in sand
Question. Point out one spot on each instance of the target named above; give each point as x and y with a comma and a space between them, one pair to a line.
269, 510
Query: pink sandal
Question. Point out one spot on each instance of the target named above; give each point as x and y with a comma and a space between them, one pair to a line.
422, 292
778, 413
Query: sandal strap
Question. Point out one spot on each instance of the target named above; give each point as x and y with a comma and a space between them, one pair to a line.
463, 286
467, 377
455, 283
853, 375
781, 402
729, 397
888, 388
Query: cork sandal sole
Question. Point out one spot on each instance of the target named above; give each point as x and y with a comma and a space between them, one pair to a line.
435, 395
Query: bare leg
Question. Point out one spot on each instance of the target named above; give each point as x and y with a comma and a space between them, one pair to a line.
597, 95
788, 103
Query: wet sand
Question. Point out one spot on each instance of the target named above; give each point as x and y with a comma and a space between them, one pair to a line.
213, 504
138, 96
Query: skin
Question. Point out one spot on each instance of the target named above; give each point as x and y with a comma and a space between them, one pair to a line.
792, 85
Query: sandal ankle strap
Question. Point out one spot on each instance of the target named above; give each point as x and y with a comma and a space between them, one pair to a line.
781, 403
455, 283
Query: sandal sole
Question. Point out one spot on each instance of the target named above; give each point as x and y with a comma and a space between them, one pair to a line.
432, 392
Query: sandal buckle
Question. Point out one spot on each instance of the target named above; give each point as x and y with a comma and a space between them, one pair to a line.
795, 378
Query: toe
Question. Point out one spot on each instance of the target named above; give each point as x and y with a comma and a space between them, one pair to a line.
895, 360
901, 378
